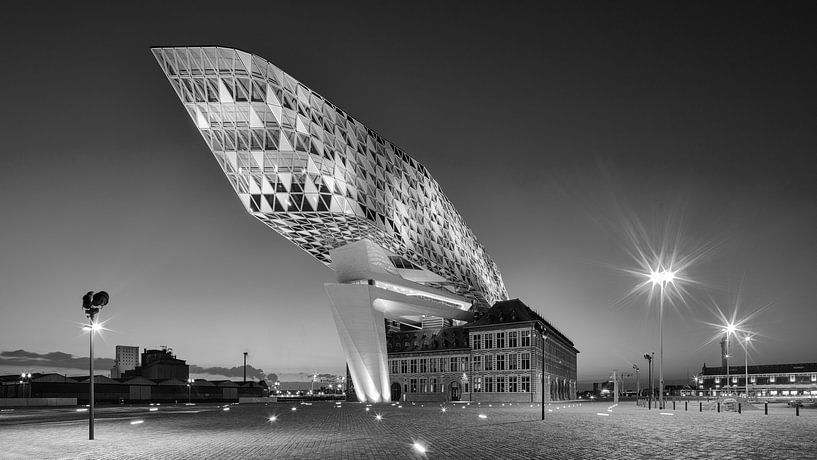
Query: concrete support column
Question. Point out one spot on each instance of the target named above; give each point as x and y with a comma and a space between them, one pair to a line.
362, 334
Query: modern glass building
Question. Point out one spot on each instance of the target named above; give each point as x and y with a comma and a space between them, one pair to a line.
342, 193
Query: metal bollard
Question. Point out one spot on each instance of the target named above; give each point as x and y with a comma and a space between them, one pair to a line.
649, 403
686, 403
719, 407
739, 412
766, 408
673, 404
700, 406
797, 410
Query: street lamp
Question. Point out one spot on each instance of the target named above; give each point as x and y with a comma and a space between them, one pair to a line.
91, 304
728, 330
25, 379
649, 357
544, 347
637, 384
190, 381
661, 277
747, 339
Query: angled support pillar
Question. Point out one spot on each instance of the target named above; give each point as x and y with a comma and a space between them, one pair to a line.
362, 334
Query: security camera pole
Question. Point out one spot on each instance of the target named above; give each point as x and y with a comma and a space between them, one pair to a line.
91, 304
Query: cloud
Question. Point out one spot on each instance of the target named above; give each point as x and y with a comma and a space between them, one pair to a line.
252, 373
29, 359
320, 377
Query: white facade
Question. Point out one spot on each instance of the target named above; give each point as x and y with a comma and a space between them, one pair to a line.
127, 358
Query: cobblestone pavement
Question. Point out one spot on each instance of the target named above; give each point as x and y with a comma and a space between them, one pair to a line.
321, 430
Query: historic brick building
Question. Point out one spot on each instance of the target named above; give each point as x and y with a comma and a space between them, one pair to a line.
496, 357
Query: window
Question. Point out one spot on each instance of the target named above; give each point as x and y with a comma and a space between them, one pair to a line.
512, 384
500, 362
413, 385
734, 380
433, 384
443, 368
423, 365
477, 341
525, 384
525, 361
393, 366
433, 365
404, 366
489, 384
791, 378
452, 362
525, 338
423, 385
512, 341
477, 363
489, 362
771, 379
413, 366
512, 361
464, 363
489, 341
478, 384
500, 340
500, 384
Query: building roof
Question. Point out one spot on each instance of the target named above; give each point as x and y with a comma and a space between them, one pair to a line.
515, 311
762, 369
449, 338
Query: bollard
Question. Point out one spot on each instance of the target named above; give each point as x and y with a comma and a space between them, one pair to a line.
719, 407
685, 405
766, 408
673, 404
649, 403
739, 412
797, 410
700, 406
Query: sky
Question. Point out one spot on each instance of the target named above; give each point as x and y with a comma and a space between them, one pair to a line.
555, 129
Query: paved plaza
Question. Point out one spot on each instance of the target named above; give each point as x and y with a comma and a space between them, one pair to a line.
322, 430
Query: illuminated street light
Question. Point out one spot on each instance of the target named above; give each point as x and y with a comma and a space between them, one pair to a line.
661, 277
91, 304
729, 329
747, 339
189, 388
25, 379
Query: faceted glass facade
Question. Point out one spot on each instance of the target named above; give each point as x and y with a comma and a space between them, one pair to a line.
316, 175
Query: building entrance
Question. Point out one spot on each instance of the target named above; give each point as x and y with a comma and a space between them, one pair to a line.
454, 391
395, 392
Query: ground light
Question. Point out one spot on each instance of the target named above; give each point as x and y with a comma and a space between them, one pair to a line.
273, 418
483, 416
419, 447
378, 417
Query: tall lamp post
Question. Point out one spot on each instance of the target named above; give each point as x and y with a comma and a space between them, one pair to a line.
25, 379
544, 348
661, 277
747, 339
649, 357
637, 383
728, 330
91, 304
190, 381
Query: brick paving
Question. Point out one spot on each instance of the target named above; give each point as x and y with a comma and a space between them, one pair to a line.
324, 431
